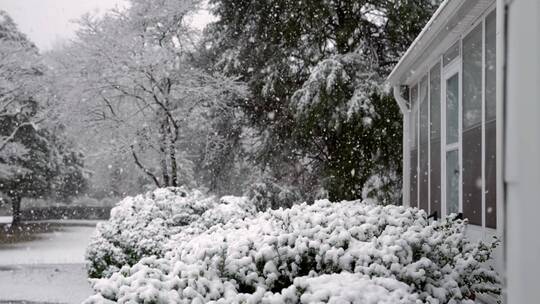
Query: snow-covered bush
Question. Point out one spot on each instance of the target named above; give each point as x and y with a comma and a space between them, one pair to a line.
325, 252
142, 226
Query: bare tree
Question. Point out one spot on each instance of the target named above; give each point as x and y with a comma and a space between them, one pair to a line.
132, 73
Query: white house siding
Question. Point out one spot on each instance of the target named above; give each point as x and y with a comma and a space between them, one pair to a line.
522, 152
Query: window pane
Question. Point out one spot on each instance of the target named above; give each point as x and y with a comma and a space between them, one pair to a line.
472, 129
491, 137
452, 182
491, 175
435, 101
435, 134
472, 78
435, 177
423, 145
472, 175
452, 109
451, 54
491, 54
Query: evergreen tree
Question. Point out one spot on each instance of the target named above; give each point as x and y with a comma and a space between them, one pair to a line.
315, 70
34, 162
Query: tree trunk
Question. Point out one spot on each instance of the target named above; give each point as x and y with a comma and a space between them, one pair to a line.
163, 152
172, 155
16, 209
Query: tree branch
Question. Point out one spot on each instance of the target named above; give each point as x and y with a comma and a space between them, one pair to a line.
140, 165
12, 135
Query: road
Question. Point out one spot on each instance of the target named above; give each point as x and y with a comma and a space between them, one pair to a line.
45, 264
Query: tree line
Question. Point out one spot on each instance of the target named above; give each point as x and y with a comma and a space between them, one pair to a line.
274, 98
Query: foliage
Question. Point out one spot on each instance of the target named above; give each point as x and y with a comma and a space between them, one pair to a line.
36, 160
132, 70
312, 253
155, 104
313, 69
344, 120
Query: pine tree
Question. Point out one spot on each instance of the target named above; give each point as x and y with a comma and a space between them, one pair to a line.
315, 70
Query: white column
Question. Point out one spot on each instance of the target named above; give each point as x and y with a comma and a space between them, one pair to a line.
522, 152
406, 160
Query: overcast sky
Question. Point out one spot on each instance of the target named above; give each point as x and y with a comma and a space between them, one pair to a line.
49, 21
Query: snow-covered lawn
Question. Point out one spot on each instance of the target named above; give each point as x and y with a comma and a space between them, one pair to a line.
49, 268
64, 245
194, 249
44, 283
5, 220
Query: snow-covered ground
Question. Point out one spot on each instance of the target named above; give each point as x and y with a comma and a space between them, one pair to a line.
5, 219
50, 283
47, 269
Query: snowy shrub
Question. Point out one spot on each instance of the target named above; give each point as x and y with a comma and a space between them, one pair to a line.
348, 252
141, 226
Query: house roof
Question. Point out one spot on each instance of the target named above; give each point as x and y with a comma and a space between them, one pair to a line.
448, 23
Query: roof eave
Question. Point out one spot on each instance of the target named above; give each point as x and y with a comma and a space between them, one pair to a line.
430, 30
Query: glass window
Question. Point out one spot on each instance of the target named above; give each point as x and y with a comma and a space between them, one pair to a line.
491, 175
452, 182
423, 145
435, 136
435, 102
491, 137
452, 109
491, 54
472, 126
472, 175
451, 54
472, 78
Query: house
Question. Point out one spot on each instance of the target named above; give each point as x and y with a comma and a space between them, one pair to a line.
468, 88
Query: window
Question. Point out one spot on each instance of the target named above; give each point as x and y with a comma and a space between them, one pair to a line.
452, 181
472, 126
453, 130
435, 138
490, 125
452, 146
452, 109
472, 78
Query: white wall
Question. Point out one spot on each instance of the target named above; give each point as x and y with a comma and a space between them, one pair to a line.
522, 152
